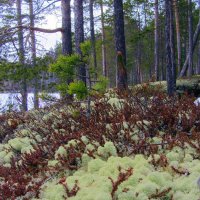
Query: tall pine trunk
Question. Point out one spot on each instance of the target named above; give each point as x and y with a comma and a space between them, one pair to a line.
120, 45
92, 35
66, 34
66, 25
156, 39
33, 53
178, 35
22, 56
194, 43
79, 35
190, 52
198, 65
103, 38
170, 53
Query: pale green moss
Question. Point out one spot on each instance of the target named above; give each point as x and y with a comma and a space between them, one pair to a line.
27, 149
147, 188
85, 140
140, 161
7, 165
53, 191
19, 143
143, 123
188, 158
174, 163
130, 195
1, 147
115, 102
156, 157
108, 150
8, 157
48, 116
61, 152
162, 179
133, 181
72, 143
108, 127
173, 156
91, 194
85, 159
109, 170
125, 125
156, 140
90, 147
2, 154
24, 132
95, 165
52, 163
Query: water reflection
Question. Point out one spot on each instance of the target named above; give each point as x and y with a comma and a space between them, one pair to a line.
12, 101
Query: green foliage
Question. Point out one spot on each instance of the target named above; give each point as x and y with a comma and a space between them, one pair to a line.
64, 67
79, 89
101, 85
62, 87
14, 71
86, 47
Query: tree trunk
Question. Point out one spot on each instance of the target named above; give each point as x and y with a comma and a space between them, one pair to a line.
194, 43
66, 26
92, 35
121, 73
190, 52
22, 56
178, 35
170, 57
103, 38
33, 53
156, 54
119, 28
79, 34
139, 46
198, 65
120, 45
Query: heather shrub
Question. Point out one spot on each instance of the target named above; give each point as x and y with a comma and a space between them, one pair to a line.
134, 146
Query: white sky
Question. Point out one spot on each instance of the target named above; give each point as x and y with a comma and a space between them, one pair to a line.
53, 21
49, 40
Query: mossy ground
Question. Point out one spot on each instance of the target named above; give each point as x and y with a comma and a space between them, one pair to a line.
140, 146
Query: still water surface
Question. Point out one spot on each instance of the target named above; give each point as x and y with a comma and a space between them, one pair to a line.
11, 101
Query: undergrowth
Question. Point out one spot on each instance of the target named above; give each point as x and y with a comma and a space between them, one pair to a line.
144, 121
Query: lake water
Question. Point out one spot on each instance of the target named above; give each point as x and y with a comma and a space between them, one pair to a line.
11, 101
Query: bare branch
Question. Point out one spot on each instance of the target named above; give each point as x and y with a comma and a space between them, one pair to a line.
42, 29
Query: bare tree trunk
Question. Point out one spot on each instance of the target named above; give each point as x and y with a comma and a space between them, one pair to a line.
66, 26
92, 35
79, 35
170, 54
103, 38
22, 56
66, 34
156, 56
120, 45
119, 28
139, 46
178, 35
194, 42
33, 52
122, 84
190, 52
198, 65
162, 53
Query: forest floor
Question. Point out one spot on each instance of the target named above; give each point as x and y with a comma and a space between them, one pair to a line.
139, 146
